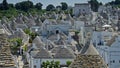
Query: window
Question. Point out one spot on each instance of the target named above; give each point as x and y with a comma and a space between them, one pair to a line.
57, 31
113, 61
83, 9
35, 66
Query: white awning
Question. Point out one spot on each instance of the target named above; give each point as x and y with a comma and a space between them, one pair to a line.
106, 26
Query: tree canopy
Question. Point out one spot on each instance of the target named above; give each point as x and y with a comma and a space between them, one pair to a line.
115, 3
94, 5
4, 5
64, 6
39, 6
58, 7
50, 7
24, 5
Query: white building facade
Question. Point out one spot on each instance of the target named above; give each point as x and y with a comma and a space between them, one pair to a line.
110, 53
81, 8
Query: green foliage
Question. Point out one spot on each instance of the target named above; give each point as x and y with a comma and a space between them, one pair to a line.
24, 5
44, 65
9, 13
14, 47
17, 40
27, 31
57, 64
115, 3
66, 12
94, 5
51, 64
39, 6
58, 7
31, 34
50, 7
64, 6
11, 5
68, 62
76, 32
25, 48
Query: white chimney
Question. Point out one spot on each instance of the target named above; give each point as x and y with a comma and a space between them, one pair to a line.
69, 38
58, 37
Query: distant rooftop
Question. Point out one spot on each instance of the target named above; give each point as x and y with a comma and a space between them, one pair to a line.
82, 4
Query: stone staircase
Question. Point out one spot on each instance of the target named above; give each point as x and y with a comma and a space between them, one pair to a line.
6, 59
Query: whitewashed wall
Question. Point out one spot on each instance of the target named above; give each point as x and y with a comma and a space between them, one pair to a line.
81, 9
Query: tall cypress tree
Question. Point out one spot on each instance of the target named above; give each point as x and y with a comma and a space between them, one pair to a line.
5, 5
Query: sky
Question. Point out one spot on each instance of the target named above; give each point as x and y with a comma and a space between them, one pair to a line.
56, 2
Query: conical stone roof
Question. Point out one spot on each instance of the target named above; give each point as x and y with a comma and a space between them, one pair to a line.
64, 52
41, 53
37, 41
89, 50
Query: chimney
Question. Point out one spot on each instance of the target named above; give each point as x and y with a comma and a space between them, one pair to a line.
58, 37
69, 38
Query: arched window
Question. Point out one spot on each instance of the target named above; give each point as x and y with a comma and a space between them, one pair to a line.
57, 31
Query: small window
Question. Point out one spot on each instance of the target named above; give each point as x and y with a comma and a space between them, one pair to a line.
35, 66
113, 61
83, 10
57, 31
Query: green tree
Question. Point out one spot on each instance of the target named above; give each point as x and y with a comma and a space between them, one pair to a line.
94, 5
31, 34
11, 5
115, 2
68, 62
58, 7
5, 5
39, 6
47, 63
44, 65
64, 6
24, 5
50, 7
19, 41
100, 3
17, 46
57, 64
27, 31
51, 64
1, 6
25, 48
